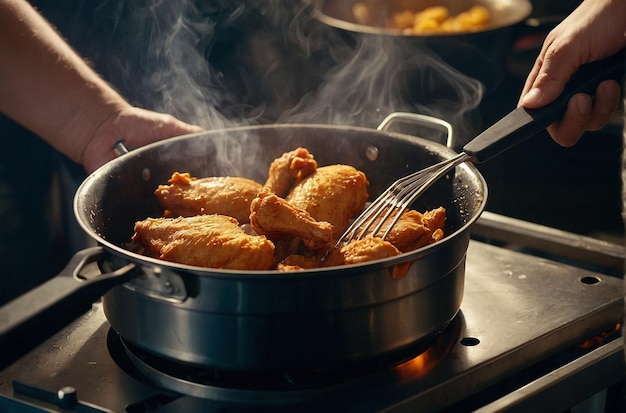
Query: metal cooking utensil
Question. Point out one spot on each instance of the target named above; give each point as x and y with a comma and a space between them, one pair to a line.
519, 125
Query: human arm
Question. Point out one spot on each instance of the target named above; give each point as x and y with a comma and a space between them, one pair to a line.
595, 29
48, 88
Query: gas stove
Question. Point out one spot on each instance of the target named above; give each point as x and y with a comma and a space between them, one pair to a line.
538, 329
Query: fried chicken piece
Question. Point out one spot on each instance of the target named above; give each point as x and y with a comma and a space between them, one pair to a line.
363, 250
354, 252
334, 193
414, 229
271, 214
289, 168
188, 196
284, 268
214, 241
368, 249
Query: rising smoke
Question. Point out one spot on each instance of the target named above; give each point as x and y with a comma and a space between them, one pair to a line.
224, 63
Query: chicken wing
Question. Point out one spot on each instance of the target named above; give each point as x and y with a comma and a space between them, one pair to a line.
415, 230
363, 250
334, 193
289, 168
188, 196
369, 249
273, 215
213, 241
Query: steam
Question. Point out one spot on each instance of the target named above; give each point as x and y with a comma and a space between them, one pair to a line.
277, 64
384, 76
161, 57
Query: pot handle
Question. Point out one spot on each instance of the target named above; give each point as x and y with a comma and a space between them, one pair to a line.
37, 314
119, 148
418, 119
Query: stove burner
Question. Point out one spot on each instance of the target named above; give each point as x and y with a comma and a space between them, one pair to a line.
277, 386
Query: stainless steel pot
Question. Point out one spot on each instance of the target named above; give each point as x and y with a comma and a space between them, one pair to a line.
269, 320
340, 14
481, 54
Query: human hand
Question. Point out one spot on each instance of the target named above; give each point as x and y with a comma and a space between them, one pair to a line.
596, 29
136, 127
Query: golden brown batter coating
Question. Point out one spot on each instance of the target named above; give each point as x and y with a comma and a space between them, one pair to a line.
355, 252
334, 193
289, 168
213, 241
295, 229
363, 250
273, 215
188, 196
415, 230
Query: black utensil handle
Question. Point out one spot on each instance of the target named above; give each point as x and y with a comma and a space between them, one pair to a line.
522, 123
37, 314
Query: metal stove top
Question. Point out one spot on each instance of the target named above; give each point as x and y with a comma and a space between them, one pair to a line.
515, 343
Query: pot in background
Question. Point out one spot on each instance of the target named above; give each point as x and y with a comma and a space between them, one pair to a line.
480, 54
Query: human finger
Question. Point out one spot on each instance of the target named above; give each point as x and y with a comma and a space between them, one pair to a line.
605, 104
146, 127
573, 124
552, 75
135, 127
553, 68
530, 80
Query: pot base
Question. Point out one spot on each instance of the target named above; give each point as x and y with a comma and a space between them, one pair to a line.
277, 385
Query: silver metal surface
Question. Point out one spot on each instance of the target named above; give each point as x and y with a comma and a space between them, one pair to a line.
419, 119
517, 310
572, 383
583, 249
159, 283
119, 148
